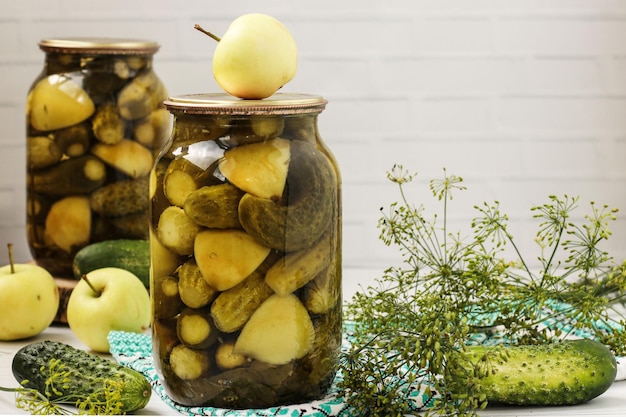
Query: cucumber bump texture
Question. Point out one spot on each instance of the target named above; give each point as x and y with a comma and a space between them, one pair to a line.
86, 373
563, 373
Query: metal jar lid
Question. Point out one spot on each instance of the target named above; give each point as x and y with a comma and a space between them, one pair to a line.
112, 46
223, 104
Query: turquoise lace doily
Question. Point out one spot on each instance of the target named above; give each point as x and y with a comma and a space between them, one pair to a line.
135, 351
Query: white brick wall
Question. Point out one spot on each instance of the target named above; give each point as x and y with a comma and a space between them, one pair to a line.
523, 98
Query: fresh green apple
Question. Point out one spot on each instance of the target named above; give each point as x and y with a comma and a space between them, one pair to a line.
29, 298
255, 57
108, 299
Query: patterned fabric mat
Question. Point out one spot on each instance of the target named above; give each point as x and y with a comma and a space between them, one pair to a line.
135, 351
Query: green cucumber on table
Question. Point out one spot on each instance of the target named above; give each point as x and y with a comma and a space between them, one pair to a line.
132, 255
67, 375
561, 373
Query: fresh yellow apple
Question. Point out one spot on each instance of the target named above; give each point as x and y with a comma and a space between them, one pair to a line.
255, 57
108, 299
29, 298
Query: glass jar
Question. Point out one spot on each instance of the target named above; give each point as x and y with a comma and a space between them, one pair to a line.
95, 122
246, 253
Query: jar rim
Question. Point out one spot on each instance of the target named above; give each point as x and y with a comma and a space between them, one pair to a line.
112, 46
226, 104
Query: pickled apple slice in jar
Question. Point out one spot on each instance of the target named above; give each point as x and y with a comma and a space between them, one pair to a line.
57, 101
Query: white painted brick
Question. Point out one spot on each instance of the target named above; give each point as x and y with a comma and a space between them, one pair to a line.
13, 170
480, 157
494, 6
562, 113
585, 6
28, 8
613, 158
461, 114
281, 9
354, 241
566, 75
15, 234
185, 77
618, 74
606, 153
9, 33
8, 209
422, 6
364, 115
19, 78
358, 37
519, 194
461, 35
356, 160
562, 36
343, 77
574, 158
122, 27
111, 9
451, 74
13, 121
192, 45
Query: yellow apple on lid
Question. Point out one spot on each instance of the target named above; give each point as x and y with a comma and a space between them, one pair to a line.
255, 57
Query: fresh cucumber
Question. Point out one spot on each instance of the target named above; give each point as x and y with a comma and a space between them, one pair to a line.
132, 255
562, 373
82, 374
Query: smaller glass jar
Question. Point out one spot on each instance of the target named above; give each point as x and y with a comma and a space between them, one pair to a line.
246, 253
94, 123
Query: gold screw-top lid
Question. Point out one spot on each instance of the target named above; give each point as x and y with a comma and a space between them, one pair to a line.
225, 104
112, 46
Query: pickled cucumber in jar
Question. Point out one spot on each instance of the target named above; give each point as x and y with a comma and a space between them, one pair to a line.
247, 208
95, 124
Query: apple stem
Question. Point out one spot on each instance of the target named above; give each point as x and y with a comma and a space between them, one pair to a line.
11, 262
84, 277
206, 32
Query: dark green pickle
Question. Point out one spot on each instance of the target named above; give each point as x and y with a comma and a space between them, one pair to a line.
227, 370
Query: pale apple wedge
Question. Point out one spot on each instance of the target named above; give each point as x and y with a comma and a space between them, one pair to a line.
279, 331
258, 168
69, 222
58, 101
127, 156
227, 257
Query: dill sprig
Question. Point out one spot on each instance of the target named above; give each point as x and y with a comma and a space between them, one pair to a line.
106, 400
449, 288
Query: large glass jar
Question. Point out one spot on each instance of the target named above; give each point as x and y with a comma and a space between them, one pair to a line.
246, 253
94, 123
